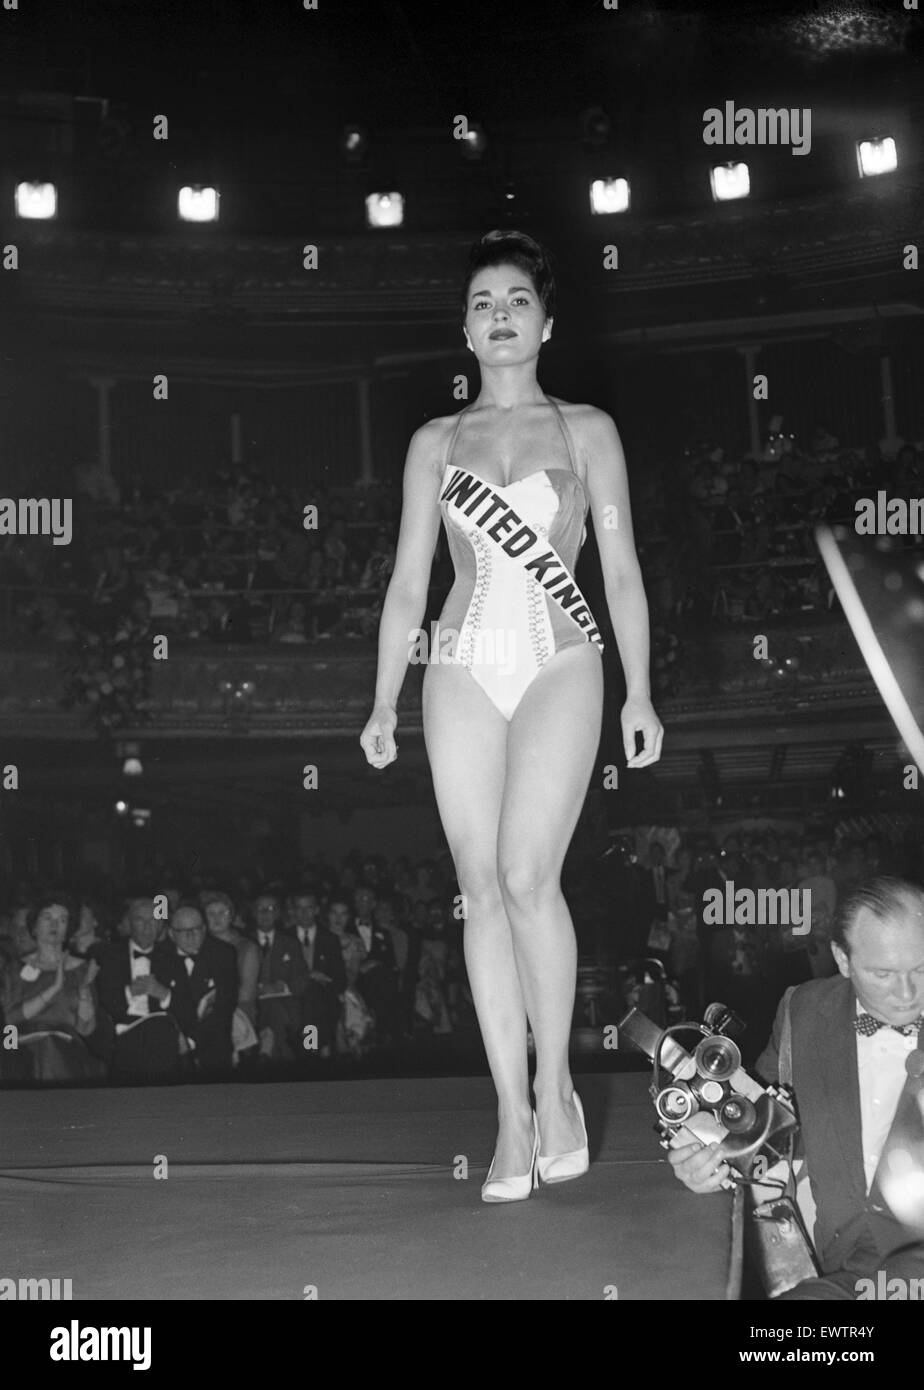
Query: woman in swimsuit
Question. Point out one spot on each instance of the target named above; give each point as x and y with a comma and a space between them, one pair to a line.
513, 693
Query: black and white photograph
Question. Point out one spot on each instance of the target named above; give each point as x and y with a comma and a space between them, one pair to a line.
462, 668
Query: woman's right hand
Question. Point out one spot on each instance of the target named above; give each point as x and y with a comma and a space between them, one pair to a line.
377, 739
58, 983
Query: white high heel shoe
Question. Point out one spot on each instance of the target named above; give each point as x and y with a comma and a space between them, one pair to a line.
562, 1167
513, 1189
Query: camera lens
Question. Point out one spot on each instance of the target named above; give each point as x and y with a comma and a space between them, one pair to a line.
738, 1115
717, 1058
675, 1104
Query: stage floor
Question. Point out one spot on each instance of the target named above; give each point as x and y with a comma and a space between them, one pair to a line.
346, 1188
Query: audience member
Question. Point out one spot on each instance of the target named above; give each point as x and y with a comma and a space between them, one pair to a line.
49, 998
145, 991
211, 968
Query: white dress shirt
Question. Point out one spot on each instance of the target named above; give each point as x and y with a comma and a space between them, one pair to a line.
881, 1071
139, 1005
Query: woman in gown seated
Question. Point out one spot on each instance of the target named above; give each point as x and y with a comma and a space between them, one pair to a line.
49, 999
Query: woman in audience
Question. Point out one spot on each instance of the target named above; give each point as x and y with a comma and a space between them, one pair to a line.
49, 998
88, 938
218, 910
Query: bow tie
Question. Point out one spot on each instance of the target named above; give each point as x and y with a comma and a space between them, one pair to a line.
868, 1027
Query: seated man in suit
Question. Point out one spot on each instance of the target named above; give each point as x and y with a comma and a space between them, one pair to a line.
144, 989
324, 958
852, 1036
378, 973
211, 967
282, 983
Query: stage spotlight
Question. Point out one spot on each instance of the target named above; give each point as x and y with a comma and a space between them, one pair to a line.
882, 594
876, 157
198, 203
729, 181
385, 209
37, 201
121, 808
474, 143
354, 144
609, 195
596, 127
131, 753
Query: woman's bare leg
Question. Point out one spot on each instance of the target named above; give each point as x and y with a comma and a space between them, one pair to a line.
551, 748
466, 739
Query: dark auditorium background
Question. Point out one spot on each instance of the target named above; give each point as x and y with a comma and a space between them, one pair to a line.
289, 387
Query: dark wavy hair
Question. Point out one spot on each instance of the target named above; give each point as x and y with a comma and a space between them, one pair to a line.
884, 897
65, 900
513, 248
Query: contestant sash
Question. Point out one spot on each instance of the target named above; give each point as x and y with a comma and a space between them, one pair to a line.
499, 523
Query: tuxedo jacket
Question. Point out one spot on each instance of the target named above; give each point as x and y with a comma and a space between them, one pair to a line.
284, 961
115, 974
827, 1091
215, 968
327, 957
381, 949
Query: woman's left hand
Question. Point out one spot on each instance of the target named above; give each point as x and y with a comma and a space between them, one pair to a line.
638, 716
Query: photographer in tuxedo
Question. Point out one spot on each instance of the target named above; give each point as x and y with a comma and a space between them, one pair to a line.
144, 989
211, 969
857, 1048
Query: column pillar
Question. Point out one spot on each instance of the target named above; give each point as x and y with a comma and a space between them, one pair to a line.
364, 403
749, 353
888, 397
103, 385
237, 444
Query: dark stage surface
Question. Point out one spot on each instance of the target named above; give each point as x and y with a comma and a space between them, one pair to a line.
346, 1186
